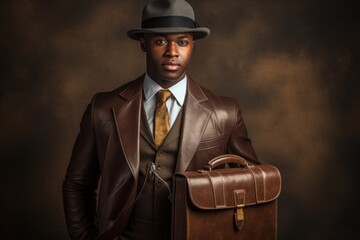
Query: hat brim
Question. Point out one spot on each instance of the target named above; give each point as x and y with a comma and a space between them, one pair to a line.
199, 33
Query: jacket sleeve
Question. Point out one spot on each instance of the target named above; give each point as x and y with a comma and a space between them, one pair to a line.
81, 181
239, 142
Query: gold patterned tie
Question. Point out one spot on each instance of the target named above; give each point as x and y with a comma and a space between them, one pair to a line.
161, 124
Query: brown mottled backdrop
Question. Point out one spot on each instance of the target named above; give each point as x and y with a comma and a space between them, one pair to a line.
292, 65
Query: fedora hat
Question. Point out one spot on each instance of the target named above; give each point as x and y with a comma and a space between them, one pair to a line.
168, 16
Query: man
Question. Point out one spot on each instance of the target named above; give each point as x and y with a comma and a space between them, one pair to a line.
135, 137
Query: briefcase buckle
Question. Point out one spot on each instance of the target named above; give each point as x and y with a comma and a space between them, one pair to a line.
239, 218
239, 198
239, 214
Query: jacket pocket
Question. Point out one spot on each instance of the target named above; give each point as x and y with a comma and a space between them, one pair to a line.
210, 143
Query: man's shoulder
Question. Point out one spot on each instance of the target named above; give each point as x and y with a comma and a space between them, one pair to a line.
213, 96
212, 99
133, 84
224, 110
127, 90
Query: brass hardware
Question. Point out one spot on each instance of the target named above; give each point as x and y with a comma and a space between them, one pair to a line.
239, 214
239, 218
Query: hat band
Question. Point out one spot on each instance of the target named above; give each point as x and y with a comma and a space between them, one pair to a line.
169, 21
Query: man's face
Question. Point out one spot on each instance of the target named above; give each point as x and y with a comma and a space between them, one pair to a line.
167, 56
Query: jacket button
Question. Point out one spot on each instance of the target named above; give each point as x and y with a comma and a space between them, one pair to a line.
160, 153
158, 167
158, 184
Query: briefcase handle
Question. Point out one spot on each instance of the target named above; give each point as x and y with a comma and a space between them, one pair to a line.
226, 158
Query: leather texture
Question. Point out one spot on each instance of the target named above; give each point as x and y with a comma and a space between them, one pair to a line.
230, 203
102, 177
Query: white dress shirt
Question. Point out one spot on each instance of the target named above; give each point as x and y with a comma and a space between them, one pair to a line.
173, 104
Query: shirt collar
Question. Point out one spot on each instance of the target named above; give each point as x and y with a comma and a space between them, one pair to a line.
178, 90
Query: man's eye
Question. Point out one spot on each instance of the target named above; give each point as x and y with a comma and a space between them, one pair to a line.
183, 43
160, 42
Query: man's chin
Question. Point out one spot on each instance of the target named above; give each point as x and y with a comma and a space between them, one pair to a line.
169, 79
172, 78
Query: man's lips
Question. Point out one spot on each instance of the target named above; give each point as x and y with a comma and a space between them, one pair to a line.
171, 66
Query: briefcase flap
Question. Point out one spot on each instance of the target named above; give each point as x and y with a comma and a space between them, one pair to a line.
233, 187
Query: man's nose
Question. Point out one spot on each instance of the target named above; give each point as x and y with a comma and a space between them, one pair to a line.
172, 50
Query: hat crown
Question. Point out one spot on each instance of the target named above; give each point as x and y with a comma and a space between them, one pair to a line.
162, 8
168, 16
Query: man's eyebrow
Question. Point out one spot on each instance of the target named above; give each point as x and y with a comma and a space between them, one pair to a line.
183, 36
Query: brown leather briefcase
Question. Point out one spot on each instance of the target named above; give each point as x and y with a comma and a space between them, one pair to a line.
227, 203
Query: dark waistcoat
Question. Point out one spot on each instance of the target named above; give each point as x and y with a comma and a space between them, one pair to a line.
151, 215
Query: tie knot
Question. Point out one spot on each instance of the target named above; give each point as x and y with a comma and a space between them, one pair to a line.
163, 95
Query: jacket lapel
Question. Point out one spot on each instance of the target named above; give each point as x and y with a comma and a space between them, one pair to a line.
195, 118
127, 118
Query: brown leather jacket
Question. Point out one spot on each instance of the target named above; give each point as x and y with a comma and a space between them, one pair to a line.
107, 148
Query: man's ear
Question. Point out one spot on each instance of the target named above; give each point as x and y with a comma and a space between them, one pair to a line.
142, 44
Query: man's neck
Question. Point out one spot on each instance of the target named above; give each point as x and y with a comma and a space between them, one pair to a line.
166, 83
